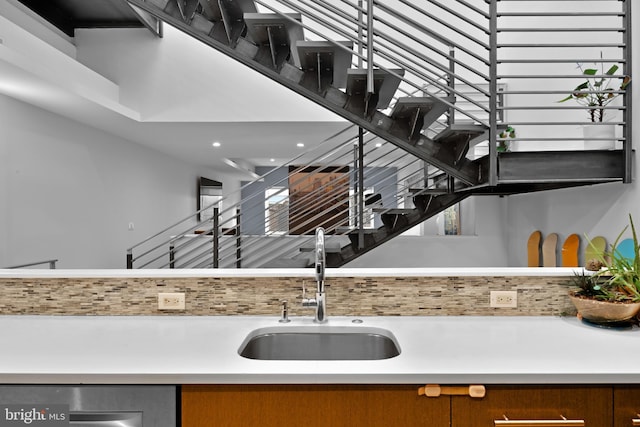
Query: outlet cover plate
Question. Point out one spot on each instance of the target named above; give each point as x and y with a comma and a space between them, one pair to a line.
503, 299
171, 301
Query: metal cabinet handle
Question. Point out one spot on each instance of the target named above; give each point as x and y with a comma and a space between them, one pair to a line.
563, 422
435, 390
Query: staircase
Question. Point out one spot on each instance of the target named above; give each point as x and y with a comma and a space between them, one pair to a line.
427, 81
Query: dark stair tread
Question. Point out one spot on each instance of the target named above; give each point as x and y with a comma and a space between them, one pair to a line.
385, 84
414, 113
234, 8
276, 32
202, 24
407, 105
187, 8
288, 33
340, 59
257, 24
455, 129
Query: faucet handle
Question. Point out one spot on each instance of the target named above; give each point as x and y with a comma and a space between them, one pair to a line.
307, 302
285, 312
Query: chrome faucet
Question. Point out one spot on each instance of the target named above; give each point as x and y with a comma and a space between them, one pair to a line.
319, 302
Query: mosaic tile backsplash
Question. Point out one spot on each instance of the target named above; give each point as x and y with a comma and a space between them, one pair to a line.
358, 296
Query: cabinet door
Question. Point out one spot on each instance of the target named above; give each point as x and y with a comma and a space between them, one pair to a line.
311, 406
626, 406
591, 404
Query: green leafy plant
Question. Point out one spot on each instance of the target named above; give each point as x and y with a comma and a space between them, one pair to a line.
503, 138
598, 90
621, 274
590, 286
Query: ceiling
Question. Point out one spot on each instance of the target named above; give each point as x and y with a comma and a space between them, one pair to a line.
67, 15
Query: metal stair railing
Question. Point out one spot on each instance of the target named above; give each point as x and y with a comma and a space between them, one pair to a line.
50, 262
393, 52
483, 53
539, 70
151, 248
270, 242
196, 252
309, 201
500, 42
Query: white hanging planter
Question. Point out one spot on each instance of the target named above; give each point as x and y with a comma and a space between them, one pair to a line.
599, 136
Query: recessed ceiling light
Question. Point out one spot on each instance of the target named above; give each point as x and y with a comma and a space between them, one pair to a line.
379, 144
300, 145
216, 144
272, 160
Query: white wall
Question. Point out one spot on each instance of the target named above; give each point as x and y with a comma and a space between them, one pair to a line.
487, 247
176, 78
69, 191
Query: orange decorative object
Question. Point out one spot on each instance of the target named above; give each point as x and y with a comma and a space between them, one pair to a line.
570, 251
533, 249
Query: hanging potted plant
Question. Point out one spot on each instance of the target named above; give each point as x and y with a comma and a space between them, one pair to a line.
598, 90
611, 294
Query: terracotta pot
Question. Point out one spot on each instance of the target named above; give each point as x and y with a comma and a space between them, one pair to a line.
604, 311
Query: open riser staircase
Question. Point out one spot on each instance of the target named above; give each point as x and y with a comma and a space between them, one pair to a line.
433, 81
399, 192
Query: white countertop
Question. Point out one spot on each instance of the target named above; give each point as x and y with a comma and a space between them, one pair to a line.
186, 349
292, 272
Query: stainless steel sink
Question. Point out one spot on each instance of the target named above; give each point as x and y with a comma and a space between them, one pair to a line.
320, 342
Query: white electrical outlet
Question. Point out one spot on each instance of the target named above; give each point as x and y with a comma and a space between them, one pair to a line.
503, 299
171, 301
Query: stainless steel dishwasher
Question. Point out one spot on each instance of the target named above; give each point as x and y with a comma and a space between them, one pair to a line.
100, 405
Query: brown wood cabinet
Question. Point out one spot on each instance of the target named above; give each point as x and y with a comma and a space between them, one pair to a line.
311, 406
400, 405
592, 404
626, 404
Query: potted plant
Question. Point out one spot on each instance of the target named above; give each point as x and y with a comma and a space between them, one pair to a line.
611, 294
503, 139
598, 90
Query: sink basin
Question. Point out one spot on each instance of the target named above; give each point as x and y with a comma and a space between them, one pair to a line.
320, 342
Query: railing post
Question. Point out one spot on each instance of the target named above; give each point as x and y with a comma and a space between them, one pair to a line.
216, 236
360, 33
370, 82
627, 112
493, 92
451, 84
172, 255
238, 241
129, 260
361, 186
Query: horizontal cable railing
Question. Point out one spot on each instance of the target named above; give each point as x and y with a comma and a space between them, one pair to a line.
248, 239
543, 58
